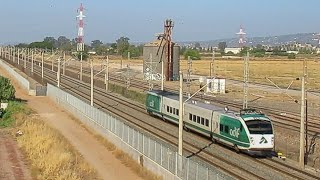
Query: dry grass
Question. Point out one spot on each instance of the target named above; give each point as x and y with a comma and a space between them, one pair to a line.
50, 154
119, 154
281, 72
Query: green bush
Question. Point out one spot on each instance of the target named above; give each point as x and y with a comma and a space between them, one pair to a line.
7, 91
291, 56
130, 94
194, 54
14, 107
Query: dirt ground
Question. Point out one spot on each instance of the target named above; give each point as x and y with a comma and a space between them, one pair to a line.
105, 163
12, 162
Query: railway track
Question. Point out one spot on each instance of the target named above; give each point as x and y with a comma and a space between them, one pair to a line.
189, 147
288, 120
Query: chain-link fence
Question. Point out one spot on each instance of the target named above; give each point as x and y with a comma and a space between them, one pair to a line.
148, 147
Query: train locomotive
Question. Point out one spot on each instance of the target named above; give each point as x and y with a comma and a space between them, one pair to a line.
248, 131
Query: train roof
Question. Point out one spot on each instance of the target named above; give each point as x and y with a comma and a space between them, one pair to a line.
201, 104
246, 115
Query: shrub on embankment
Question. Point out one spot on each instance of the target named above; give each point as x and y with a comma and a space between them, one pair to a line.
130, 94
49, 153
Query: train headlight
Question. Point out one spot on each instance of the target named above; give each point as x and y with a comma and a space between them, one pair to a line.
252, 140
272, 140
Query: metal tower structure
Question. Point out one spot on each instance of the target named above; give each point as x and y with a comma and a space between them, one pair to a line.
80, 42
241, 34
168, 26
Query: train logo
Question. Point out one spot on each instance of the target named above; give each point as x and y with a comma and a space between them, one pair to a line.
263, 140
234, 132
151, 104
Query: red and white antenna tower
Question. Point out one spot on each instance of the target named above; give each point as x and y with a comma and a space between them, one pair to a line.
80, 43
241, 34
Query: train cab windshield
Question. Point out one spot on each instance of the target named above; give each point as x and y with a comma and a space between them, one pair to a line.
259, 127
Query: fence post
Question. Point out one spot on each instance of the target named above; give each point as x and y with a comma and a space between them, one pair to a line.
143, 144
168, 155
197, 172
149, 147
176, 164
188, 164
122, 136
161, 154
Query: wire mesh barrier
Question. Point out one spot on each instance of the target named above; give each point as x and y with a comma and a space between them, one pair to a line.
159, 153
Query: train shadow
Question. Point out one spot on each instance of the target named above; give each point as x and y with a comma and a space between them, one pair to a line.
200, 150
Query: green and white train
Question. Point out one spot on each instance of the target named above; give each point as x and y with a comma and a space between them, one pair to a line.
247, 131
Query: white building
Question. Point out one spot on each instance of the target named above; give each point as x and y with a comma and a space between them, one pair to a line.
233, 50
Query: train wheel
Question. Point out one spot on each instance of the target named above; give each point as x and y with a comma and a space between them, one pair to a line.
185, 128
213, 139
236, 148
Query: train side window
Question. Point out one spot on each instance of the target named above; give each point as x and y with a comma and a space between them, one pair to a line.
194, 118
207, 122
202, 121
198, 119
173, 110
177, 112
167, 108
170, 109
190, 117
226, 129
221, 127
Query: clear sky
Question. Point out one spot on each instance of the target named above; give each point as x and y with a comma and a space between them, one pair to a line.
32, 20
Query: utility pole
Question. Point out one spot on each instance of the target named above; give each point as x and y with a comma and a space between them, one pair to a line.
246, 81
91, 67
81, 66
162, 74
302, 138
212, 72
106, 75
128, 77
303, 120
58, 72
18, 56
180, 114
32, 61
150, 72
64, 63
14, 54
52, 62
25, 59
128, 55
189, 75
42, 59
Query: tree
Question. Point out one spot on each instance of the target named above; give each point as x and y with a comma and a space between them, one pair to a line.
222, 46
194, 54
7, 91
52, 41
96, 43
41, 45
291, 56
197, 45
122, 45
62, 41
134, 51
